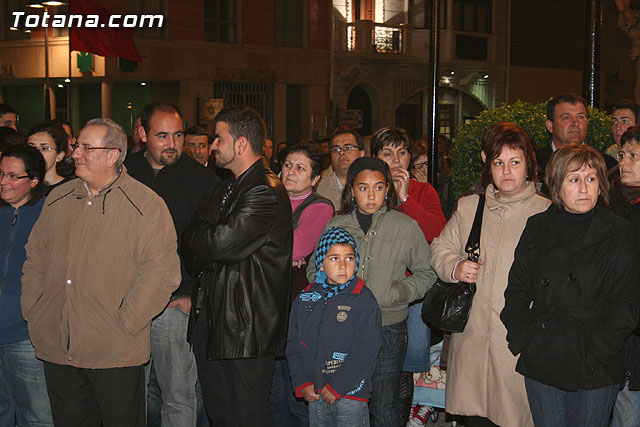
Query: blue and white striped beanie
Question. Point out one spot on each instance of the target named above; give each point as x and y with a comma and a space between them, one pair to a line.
329, 238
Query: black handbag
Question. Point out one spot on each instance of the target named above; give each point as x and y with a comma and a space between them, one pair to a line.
447, 305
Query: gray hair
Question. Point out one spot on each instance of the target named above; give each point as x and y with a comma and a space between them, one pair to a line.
114, 137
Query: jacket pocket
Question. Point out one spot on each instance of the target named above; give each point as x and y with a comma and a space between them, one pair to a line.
238, 299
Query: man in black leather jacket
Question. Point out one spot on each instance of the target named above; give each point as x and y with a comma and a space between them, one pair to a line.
240, 244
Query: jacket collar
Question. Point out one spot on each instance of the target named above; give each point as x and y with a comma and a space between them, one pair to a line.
81, 190
494, 202
600, 229
375, 223
255, 169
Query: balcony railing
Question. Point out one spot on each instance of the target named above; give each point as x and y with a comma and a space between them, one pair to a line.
367, 36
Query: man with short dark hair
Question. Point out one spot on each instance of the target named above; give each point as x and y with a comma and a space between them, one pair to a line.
197, 140
181, 182
101, 263
268, 149
8, 117
346, 146
239, 245
567, 121
624, 115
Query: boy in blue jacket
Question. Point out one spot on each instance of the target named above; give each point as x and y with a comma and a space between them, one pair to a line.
335, 334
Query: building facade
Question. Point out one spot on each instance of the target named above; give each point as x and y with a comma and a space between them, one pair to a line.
272, 55
381, 61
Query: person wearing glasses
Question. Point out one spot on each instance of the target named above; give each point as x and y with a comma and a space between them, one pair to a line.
419, 170
52, 142
101, 263
23, 391
346, 146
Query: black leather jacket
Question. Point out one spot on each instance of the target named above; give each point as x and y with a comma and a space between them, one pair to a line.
241, 250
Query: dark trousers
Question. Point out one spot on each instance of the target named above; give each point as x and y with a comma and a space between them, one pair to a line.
93, 397
235, 391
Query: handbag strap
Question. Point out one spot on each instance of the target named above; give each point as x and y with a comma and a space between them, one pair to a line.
473, 243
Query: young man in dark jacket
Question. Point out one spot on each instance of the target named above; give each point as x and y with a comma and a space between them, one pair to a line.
241, 242
335, 334
180, 181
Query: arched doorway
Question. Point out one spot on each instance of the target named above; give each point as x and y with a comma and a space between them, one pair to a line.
455, 107
359, 100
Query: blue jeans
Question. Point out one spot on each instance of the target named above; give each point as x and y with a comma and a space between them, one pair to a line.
343, 413
386, 375
175, 370
418, 352
551, 406
23, 389
626, 411
286, 408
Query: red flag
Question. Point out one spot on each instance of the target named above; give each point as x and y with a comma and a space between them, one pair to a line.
104, 41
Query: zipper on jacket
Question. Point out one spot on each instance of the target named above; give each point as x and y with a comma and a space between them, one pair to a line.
319, 355
6, 258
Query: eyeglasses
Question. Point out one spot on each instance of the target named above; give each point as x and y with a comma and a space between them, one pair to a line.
346, 148
88, 148
12, 176
41, 147
420, 165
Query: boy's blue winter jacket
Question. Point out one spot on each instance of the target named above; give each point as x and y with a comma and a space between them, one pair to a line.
334, 343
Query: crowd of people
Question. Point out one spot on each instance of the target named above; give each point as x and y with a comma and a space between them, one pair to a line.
179, 278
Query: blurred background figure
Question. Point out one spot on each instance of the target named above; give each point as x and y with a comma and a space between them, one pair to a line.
624, 115
66, 167
8, 117
51, 140
420, 170
8, 138
197, 141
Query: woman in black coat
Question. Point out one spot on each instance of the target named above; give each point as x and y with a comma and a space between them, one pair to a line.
625, 202
573, 296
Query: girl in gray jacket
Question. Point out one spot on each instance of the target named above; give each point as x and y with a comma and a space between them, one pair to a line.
390, 244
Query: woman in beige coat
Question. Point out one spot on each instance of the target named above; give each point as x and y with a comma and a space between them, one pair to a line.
481, 379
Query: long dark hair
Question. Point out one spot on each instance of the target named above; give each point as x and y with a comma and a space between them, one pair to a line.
362, 164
